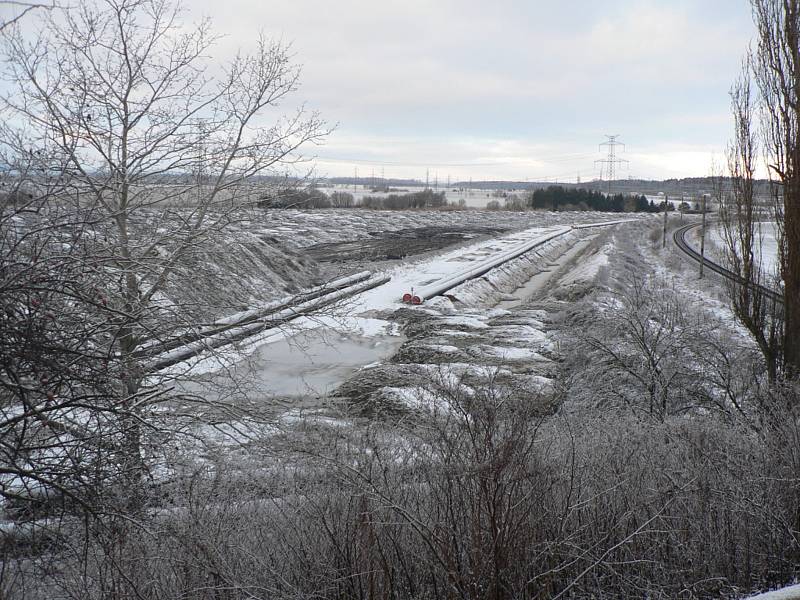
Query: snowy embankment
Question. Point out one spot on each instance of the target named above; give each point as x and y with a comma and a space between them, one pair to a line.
518, 268
482, 267
500, 282
788, 593
497, 264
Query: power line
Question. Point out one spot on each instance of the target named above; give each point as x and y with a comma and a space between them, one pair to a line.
611, 161
395, 163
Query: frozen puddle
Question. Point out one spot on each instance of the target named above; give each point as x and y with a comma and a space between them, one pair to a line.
314, 363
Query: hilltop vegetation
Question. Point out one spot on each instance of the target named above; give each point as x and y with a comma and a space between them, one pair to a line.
313, 197
560, 198
551, 198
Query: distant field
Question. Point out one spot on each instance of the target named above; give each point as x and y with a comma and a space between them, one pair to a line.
768, 255
474, 198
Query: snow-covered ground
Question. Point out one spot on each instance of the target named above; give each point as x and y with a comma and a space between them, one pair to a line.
315, 353
429, 359
412, 277
768, 254
788, 593
305, 228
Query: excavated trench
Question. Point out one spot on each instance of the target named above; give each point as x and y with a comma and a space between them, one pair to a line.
496, 330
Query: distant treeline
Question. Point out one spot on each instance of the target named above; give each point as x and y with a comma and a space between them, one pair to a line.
559, 198
423, 199
310, 197
315, 198
551, 198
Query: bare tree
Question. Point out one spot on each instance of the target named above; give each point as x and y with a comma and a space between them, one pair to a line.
641, 346
19, 10
776, 67
113, 110
49, 368
741, 216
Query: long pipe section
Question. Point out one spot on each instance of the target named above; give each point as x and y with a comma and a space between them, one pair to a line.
439, 287
253, 326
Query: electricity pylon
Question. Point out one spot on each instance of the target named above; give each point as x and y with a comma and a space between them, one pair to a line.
611, 161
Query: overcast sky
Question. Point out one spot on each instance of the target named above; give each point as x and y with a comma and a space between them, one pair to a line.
506, 89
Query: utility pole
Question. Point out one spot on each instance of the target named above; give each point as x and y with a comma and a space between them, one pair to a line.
355, 180
703, 239
611, 161
666, 204
427, 177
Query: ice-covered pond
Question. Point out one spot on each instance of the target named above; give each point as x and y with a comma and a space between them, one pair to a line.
313, 363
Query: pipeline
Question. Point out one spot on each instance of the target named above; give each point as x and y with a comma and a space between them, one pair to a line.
435, 289
253, 322
242, 318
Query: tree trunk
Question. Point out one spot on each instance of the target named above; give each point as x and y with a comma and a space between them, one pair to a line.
791, 278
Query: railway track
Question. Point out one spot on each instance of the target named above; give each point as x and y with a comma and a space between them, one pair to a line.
679, 237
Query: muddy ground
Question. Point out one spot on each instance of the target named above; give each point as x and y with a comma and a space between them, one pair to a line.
395, 245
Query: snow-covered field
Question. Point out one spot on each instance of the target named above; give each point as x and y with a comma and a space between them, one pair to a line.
768, 245
473, 198
788, 593
301, 228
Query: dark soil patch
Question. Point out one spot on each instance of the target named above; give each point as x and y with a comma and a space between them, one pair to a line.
395, 245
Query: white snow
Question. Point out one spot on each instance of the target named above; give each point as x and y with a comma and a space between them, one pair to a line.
511, 353
788, 593
587, 270
477, 262
525, 333
415, 397
411, 277
356, 330
454, 333
456, 371
443, 348
465, 321
768, 254
543, 385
